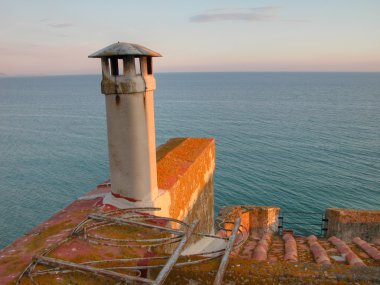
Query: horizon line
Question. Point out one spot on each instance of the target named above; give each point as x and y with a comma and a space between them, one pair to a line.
164, 72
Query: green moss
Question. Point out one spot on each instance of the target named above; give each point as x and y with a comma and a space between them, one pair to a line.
38, 241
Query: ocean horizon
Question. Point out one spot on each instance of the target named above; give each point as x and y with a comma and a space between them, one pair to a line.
303, 141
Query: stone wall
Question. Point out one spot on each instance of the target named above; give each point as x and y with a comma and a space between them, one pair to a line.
185, 170
256, 219
349, 223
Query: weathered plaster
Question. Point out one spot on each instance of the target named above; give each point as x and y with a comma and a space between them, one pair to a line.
347, 224
130, 121
133, 172
256, 219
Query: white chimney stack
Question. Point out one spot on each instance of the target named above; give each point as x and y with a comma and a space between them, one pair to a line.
128, 85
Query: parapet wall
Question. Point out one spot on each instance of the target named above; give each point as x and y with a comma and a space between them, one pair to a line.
349, 223
256, 219
185, 169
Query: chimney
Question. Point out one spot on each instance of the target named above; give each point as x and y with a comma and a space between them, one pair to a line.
128, 84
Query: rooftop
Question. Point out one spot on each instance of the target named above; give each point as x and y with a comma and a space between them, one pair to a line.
91, 243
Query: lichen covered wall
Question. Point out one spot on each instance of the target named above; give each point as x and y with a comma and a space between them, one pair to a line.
185, 169
256, 219
347, 224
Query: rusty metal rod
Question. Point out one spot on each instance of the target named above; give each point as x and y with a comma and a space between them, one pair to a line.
134, 240
150, 217
173, 259
128, 240
80, 267
27, 269
94, 241
227, 253
125, 221
214, 254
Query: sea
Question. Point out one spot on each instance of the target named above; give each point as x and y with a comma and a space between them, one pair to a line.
300, 141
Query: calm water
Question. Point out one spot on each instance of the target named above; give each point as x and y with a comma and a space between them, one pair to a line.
302, 141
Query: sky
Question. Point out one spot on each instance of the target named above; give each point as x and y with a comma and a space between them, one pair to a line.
51, 37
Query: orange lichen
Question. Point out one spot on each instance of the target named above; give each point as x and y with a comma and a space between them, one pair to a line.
182, 172
164, 149
191, 149
355, 215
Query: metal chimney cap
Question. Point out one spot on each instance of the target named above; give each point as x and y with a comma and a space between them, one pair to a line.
123, 49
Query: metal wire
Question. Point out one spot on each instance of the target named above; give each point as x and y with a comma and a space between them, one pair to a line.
137, 218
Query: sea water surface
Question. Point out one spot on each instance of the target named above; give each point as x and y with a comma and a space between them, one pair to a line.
301, 141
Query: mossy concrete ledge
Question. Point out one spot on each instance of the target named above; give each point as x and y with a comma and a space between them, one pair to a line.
347, 224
